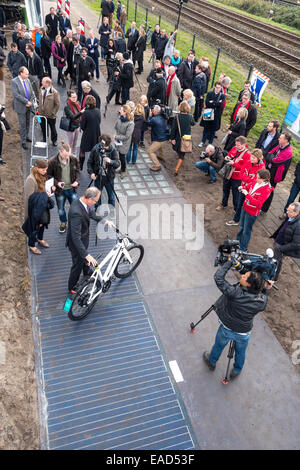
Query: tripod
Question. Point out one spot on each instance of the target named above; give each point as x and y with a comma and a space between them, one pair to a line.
231, 349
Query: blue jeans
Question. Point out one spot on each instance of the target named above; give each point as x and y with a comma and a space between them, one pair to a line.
208, 134
295, 190
134, 150
222, 339
61, 198
102, 52
246, 224
240, 202
207, 168
109, 186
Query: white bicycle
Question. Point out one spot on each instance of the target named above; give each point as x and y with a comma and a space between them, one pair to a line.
121, 261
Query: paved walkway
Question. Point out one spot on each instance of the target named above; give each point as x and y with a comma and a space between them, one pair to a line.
260, 410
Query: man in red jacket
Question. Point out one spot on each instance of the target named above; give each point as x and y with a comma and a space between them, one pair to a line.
278, 162
239, 158
255, 195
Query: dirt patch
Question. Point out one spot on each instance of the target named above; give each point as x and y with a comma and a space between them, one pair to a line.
19, 423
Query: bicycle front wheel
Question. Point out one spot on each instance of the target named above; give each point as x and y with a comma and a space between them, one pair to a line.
125, 267
81, 306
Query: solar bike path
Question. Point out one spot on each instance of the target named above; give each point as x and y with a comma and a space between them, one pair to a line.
103, 381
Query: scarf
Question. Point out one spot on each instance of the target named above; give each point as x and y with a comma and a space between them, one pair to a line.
236, 111
75, 107
169, 81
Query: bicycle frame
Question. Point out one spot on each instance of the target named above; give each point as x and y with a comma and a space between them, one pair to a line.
112, 258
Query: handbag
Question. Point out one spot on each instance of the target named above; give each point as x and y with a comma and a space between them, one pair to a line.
186, 143
65, 123
226, 171
208, 114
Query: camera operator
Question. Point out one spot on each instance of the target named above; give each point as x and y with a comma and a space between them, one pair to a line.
157, 89
101, 165
211, 161
236, 309
159, 135
115, 81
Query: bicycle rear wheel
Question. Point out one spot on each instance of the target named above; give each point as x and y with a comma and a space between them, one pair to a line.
80, 307
124, 267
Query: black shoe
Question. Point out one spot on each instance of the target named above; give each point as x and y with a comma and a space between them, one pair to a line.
28, 140
54, 144
211, 181
2, 162
118, 103
207, 361
233, 374
24, 146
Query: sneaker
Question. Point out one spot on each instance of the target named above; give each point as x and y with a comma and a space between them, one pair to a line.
62, 227
233, 374
232, 222
123, 175
155, 168
220, 207
211, 181
201, 144
207, 361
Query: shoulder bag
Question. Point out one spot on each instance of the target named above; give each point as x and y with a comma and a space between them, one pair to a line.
186, 143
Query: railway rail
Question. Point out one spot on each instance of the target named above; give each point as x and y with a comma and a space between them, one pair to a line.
289, 37
283, 59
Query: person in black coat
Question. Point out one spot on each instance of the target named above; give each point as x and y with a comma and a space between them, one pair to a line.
181, 126
132, 35
247, 86
120, 43
214, 100
252, 111
78, 234
86, 68
46, 51
110, 55
198, 88
52, 23
157, 89
64, 24
126, 77
104, 32
90, 125
287, 236
105, 10
186, 72
269, 138
160, 44
88, 90
140, 47
102, 167
295, 190
237, 129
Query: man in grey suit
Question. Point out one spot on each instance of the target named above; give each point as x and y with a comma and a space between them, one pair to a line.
23, 100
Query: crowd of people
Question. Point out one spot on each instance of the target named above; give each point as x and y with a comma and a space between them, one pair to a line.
179, 95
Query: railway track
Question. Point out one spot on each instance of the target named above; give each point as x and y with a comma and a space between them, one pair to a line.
283, 59
289, 37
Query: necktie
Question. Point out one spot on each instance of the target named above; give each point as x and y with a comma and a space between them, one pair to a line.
44, 96
26, 90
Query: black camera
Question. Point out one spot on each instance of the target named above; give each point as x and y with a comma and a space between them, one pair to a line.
243, 262
203, 155
165, 111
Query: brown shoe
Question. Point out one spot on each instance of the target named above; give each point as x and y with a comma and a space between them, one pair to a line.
220, 207
43, 243
35, 250
155, 168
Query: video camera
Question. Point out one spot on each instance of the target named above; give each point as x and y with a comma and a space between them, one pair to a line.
165, 110
243, 262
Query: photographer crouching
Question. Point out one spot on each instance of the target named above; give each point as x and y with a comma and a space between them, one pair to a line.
211, 161
236, 309
101, 165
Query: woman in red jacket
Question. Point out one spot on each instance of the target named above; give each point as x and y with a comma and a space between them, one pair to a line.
249, 175
256, 193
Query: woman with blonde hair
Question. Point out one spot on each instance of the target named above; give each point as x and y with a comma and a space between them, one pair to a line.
236, 129
189, 97
181, 126
123, 131
37, 205
143, 100
139, 119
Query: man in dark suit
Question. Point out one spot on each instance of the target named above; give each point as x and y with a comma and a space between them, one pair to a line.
92, 45
132, 35
80, 213
268, 138
64, 24
24, 98
52, 22
81, 37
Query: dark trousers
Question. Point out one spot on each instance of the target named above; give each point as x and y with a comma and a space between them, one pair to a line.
40, 235
125, 95
198, 109
295, 190
51, 123
268, 202
47, 66
111, 94
278, 255
240, 202
78, 265
227, 186
123, 162
139, 61
96, 62
108, 184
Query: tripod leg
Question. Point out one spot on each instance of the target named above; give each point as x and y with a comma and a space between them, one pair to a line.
193, 325
230, 356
